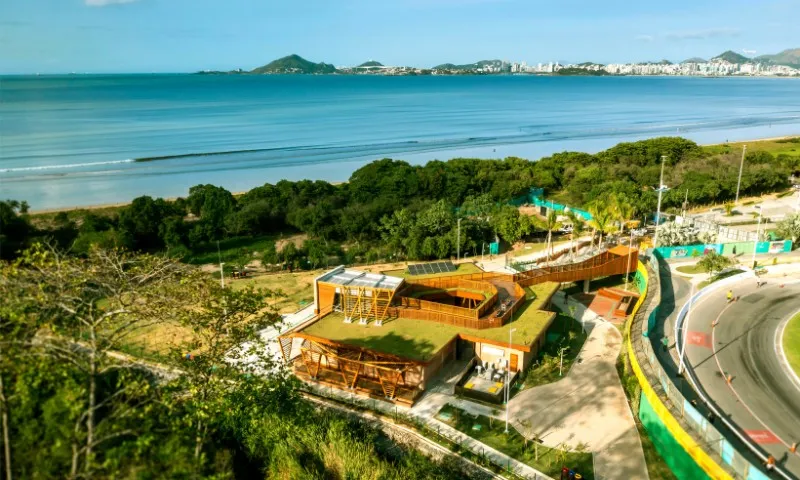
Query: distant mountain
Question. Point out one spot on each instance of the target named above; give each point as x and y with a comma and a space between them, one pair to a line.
371, 63
695, 60
789, 57
731, 57
470, 66
295, 64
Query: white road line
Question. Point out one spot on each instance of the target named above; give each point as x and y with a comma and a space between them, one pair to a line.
730, 385
783, 360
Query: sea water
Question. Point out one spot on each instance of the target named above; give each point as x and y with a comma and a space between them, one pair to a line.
95, 139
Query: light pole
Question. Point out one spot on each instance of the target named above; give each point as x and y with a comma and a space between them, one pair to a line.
458, 242
661, 190
221, 275
561, 361
628, 270
758, 228
739, 182
508, 374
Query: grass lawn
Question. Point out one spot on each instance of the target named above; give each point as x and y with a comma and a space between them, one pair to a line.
230, 250
513, 444
545, 368
690, 269
297, 288
789, 146
421, 339
156, 342
461, 269
791, 343
718, 276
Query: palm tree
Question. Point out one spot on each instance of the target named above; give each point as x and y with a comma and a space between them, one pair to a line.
578, 227
602, 220
550, 224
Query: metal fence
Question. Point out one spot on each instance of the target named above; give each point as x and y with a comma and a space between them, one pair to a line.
682, 402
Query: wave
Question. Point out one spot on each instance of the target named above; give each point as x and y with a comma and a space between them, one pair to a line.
71, 165
239, 159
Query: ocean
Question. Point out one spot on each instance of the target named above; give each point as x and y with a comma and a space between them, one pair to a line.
79, 140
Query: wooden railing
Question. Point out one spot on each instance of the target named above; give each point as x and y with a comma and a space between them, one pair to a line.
450, 283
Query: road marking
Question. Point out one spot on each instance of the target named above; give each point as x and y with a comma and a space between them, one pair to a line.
730, 384
698, 338
762, 436
782, 359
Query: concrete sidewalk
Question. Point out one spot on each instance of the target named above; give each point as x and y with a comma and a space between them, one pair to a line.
588, 406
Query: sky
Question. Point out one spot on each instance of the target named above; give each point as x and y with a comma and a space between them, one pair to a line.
121, 36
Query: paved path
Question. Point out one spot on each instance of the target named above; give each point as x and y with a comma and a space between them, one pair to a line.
588, 406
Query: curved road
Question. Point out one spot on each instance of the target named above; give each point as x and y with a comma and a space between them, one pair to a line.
760, 397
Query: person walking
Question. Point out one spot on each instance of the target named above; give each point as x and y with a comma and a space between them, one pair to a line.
730, 296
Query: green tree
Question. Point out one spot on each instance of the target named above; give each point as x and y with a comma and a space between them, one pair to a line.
511, 225
789, 227
714, 262
602, 220
91, 305
578, 229
550, 224
225, 325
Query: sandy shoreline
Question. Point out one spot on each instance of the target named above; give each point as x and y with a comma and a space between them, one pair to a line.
122, 204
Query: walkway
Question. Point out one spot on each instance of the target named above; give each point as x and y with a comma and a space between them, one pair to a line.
425, 410
588, 406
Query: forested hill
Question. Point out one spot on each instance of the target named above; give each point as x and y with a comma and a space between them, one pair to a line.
295, 64
390, 208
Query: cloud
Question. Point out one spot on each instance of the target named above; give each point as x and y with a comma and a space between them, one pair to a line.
748, 52
703, 34
105, 3
645, 38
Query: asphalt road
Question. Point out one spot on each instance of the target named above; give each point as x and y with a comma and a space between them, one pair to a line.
760, 398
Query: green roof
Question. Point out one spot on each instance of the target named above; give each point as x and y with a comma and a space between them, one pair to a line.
421, 339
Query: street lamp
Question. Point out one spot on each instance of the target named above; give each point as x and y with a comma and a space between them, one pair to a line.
508, 374
661, 189
758, 228
739, 182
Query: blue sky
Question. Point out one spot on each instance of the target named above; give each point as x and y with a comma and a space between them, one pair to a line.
51, 36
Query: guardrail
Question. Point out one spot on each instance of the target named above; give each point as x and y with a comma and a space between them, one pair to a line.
674, 418
726, 451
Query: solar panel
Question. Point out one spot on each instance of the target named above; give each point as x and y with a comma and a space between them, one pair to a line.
431, 268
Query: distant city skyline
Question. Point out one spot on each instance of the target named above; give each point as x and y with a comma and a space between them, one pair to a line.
115, 36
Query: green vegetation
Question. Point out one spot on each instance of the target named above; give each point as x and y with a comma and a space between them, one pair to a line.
394, 211
791, 343
582, 72
89, 412
691, 269
714, 262
786, 146
731, 57
492, 432
421, 339
546, 366
461, 269
295, 289
295, 64
718, 276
